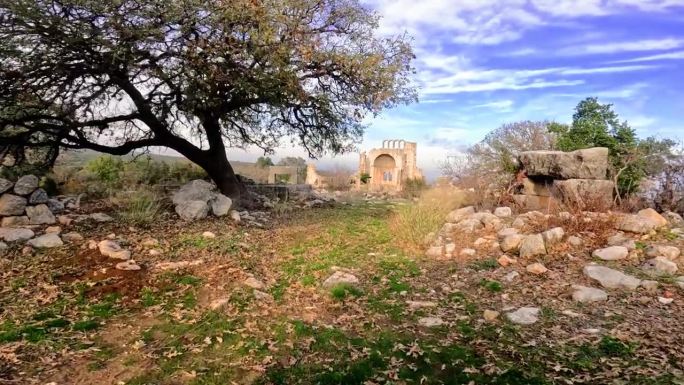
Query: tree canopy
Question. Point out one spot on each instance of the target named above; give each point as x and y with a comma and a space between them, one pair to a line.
197, 76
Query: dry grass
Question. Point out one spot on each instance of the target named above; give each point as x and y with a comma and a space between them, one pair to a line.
412, 223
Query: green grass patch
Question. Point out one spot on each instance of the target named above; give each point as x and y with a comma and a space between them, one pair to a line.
484, 264
493, 286
342, 291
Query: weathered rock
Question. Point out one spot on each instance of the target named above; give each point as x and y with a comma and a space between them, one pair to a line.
13, 235
254, 283
208, 235
673, 218
195, 190
235, 216
679, 281
536, 268
643, 222
100, 217
3, 248
40, 215
64, 220
460, 214
524, 316
12, 205
518, 223
669, 252
192, 210
490, 315
611, 279
434, 251
72, 237
220, 206
38, 196
340, 278
449, 248
163, 266
467, 253
553, 236
46, 241
588, 294
665, 300
15, 221
620, 239
505, 260
585, 192
503, 233
55, 205
659, 266
128, 265
469, 225
532, 245
488, 220
575, 241
26, 185
649, 285
5, 185
430, 322
510, 277
612, 253
261, 296
590, 163
111, 249
415, 305
503, 212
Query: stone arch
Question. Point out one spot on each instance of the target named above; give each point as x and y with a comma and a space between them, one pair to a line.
384, 167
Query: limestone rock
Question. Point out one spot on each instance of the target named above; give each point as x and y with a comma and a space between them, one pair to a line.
510, 277
505, 260
588, 294
643, 222
262, 296
590, 163
72, 237
532, 245
611, 279
536, 268
192, 210
503, 212
5, 185
536, 186
100, 217
490, 315
434, 251
553, 236
586, 192
38, 196
220, 205
665, 301
467, 253
12, 205
55, 205
575, 241
449, 248
195, 190
40, 215
12, 234
111, 249
518, 223
430, 322
15, 221
128, 265
235, 216
460, 214
669, 252
208, 235
46, 241
612, 253
415, 305
679, 281
673, 218
620, 239
254, 283
649, 285
26, 185
524, 316
64, 220
469, 225
340, 278
660, 266
503, 233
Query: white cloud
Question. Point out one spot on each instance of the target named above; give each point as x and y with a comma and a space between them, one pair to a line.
499, 105
677, 55
626, 46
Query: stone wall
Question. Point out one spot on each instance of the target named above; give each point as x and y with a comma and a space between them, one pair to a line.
23, 203
577, 178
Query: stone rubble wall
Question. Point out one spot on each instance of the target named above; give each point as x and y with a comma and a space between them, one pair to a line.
24, 203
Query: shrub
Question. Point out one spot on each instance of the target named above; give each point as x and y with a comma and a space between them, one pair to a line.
106, 169
140, 208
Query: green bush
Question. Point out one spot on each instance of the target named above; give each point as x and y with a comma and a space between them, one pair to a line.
140, 209
106, 169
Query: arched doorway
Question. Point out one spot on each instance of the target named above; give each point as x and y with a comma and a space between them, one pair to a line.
384, 166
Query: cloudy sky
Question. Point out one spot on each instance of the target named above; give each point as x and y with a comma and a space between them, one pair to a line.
482, 63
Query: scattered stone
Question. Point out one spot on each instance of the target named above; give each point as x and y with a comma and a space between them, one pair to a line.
192, 210
12, 205
536, 268
5, 185
154, 252
679, 281
38, 196
575, 241
16, 221
40, 215
669, 252
518, 223
434, 252
55, 205
611, 279
53, 229
262, 296
524, 316
505, 260
503, 212
449, 248
612, 253
469, 225
467, 253
150, 242
511, 243
553, 236
620, 239
254, 283
564, 215
111, 249
3, 247
665, 301
218, 303
208, 235
659, 266
92, 245
128, 265
220, 205
13, 235
415, 305
588, 294
72, 237
643, 222
430, 322
26, 185
503, 233
46, 241
100, 217
673, 218
64, 220
490, 315
532, 245
651, 286
510, 277
235, 216
340, 278
460, 214
163, 266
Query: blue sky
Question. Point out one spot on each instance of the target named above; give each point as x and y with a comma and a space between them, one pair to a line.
482, 63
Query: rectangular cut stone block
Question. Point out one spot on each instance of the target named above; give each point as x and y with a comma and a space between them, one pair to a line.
590, 163
587, 193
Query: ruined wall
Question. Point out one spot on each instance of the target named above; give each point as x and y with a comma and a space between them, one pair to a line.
389, 166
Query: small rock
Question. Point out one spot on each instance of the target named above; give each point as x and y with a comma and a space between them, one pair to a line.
611, 253
13, 235
64, 220
429, 322
467, 253
660, 266
449, 248
511, 243
5, 185
490, 315
553, 236
469, 225
218, 303
434, 252
536, 268
72, 237
503, 233
532, 245
340, 278
208, 235
128, 265
415, 305
111, 249
46, 241
510, 277
588, 294
503, 212
235, 216
100, 217
154, 252
673, 218
665, 301
16, 221
254, 283
460, 214
12, 205
575, 241
40, 215
92, 245
53, 229
26, 185
679, 281
55, 205
524, 316
192, 210
150, 242
38, 196
220, 205
518, 223
262, 296
611, 279
505, 260
651, 286
669, 252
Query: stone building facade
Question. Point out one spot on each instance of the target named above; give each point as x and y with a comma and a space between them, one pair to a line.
390, 166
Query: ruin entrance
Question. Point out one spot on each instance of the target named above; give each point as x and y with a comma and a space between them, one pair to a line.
385, 168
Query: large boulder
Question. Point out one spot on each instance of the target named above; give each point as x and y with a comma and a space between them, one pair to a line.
585, 192
26, 185
192, 210
195, 190
12, 205
590, 163
40, 215
643, 222
220, 205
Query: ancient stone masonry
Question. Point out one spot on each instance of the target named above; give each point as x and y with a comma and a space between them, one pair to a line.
577, 178
389, 167
23, 203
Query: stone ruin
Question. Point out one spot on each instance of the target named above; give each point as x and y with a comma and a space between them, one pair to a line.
390, 166
23, 203
577, 179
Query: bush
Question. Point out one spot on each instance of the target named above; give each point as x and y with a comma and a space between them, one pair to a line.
139, 208
107, 170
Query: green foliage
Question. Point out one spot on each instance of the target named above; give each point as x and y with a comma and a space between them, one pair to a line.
295, 161
264, 161
141, 209
493, 286
107, 169
365, 178
342, 291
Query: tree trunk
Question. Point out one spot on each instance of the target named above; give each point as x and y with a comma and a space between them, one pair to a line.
221, 172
